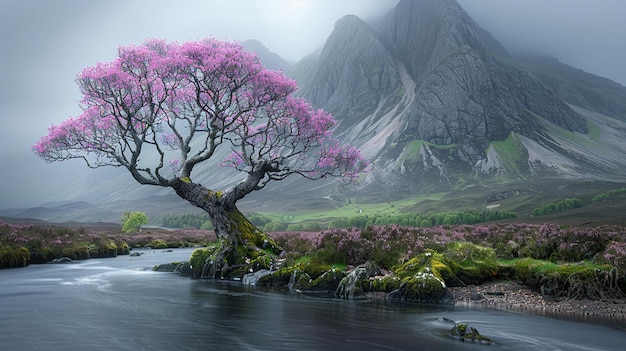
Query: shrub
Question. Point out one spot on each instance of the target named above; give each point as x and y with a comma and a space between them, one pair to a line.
12, 257
555, 207
608, 194
132, 221
615, 255
158, 244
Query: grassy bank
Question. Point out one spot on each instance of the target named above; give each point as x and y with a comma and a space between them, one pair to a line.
560, 261
21, 245
563, 261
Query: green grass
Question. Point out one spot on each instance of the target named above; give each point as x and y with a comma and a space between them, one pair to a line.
608, 194
548, 268
411, 152
594, 131
575, 138
512, 152
354, 208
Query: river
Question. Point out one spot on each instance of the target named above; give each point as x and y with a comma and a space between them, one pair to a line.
119, 304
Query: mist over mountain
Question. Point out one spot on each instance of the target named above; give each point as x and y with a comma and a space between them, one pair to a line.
269, 59
437, 104
427, 94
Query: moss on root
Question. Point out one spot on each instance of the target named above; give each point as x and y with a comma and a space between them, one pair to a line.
251, 235
224, 260
582, 280
311, 275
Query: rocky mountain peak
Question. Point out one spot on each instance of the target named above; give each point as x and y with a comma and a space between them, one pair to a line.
421, 32
428, 75
352, 74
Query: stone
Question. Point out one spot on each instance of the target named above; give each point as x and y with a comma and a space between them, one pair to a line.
165, 267
463, 331
351, 285
184, 269
423, 280
62, 260
254, 277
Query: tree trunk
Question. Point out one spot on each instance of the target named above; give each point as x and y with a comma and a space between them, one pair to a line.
242, 248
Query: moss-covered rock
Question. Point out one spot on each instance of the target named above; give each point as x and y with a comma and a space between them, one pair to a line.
357, 282
123, 248
310, 276
328, 282
103, 248
464, 331
280, 277
384, 284
165, 267
422, 279
158, 244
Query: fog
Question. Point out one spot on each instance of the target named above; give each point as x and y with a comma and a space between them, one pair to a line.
44, 44
584, 34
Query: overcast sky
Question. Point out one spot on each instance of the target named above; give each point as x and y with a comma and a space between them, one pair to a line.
45, 43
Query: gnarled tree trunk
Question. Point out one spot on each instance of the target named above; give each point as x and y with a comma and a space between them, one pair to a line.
242, 248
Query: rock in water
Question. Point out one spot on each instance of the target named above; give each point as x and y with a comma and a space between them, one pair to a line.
62, 260
423, 280
350, 285
463, 331
253, 278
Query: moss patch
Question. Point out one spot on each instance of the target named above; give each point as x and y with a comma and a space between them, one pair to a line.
582, 280
422, 278
470, 263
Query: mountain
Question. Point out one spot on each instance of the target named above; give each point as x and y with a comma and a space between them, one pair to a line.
578, 87
448, 118
438, 104
268, 58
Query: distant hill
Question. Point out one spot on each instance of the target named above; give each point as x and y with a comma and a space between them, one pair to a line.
269, 59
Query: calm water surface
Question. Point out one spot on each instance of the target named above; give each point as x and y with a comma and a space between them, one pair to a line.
117, 304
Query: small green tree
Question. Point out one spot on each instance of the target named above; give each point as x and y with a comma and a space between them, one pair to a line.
131, 221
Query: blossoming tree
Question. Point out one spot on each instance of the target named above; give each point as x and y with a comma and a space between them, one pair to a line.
160, 109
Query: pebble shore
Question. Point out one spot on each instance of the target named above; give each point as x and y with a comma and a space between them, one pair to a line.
508, 295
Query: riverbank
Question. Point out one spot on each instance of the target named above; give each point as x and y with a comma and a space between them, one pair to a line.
511, 296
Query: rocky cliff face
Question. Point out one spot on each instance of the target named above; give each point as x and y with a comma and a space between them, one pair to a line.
426, 93
578, 87
352, 75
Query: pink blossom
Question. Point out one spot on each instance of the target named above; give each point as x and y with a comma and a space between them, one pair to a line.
183, 102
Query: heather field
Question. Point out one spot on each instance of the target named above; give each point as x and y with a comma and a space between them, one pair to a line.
391, 244
584, 262
21, 245
388, 245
